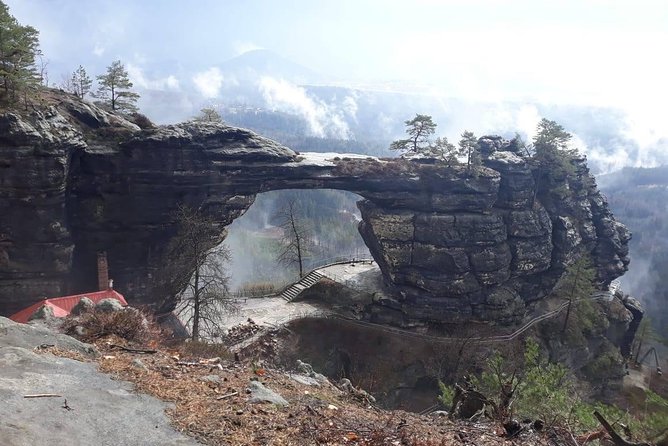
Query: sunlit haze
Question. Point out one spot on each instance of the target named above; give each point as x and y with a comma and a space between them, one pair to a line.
517, 57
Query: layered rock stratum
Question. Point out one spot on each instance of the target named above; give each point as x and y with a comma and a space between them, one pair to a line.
452, 245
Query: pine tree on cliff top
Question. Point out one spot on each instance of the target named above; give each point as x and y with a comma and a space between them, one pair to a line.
114, 88
80, 82
552, 158
19, 46
419, 130
469, 149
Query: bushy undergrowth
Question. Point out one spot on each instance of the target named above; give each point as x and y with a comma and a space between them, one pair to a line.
129, 324
549, 391
447, 394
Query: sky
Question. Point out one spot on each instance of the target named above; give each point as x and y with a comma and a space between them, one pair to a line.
583, 52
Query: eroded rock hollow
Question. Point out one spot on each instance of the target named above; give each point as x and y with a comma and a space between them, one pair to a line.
75, 180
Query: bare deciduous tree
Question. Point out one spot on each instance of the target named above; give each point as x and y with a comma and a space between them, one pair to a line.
43, 70
200, 259
297, 240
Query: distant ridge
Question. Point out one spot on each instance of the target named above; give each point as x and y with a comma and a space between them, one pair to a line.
257, 63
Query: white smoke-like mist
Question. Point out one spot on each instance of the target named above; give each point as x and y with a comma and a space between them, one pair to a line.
209, 82
611, 139
324, 120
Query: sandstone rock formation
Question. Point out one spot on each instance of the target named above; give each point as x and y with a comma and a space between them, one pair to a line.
75, 180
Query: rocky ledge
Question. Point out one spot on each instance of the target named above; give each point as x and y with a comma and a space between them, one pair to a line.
452, 245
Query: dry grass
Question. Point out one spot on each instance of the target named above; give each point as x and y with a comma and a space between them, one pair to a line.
201, 349
129, 324
257, 289
310, 419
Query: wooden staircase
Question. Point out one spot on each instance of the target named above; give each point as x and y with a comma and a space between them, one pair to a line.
304, 283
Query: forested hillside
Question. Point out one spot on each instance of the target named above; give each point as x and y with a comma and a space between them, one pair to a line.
294, 132
255, 238
639, 198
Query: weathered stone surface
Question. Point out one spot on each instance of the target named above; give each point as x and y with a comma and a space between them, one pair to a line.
83, 306
14, 334
459, 230
109, 305
106, 411
261, 394
77, 180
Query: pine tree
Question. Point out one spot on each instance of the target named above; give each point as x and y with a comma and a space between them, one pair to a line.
80, 82
19, 47
419, 130
552, 157
208, 114
470, 149
114, 88
444, 150
577, 284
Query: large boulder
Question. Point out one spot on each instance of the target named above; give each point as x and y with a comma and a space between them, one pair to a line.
109, 305
83, 306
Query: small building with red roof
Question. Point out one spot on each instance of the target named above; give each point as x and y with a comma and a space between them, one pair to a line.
62, 306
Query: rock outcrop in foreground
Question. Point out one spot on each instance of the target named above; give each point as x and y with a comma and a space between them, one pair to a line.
76, 180
88, 404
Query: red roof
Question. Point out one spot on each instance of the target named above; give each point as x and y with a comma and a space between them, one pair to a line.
62, 306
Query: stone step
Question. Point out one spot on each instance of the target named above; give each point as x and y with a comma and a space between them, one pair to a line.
305, 282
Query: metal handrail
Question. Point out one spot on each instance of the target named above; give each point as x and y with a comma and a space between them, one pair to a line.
478, 339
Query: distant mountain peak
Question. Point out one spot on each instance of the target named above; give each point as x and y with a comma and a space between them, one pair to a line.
264, 62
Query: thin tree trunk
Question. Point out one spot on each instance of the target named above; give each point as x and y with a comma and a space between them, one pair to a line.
298, 241
639, 347
535, 191
196, 306
570, 299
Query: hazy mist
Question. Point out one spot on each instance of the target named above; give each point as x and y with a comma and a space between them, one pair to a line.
484, 65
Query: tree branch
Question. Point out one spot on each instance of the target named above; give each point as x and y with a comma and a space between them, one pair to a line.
616, 438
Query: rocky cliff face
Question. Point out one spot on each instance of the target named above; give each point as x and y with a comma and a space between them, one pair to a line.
486, 257
75, 180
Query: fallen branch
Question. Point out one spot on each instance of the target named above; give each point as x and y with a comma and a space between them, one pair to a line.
227, 395
590, 436
43, 395
194, 364
134, 350
616, 438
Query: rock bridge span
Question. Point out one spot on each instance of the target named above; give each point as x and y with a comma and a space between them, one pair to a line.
451, 245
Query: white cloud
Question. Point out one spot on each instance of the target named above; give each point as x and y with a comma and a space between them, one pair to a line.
324, 120
527, 120
209, 82
98, 50
138, 78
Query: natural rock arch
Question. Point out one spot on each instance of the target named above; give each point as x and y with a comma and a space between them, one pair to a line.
452, 245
